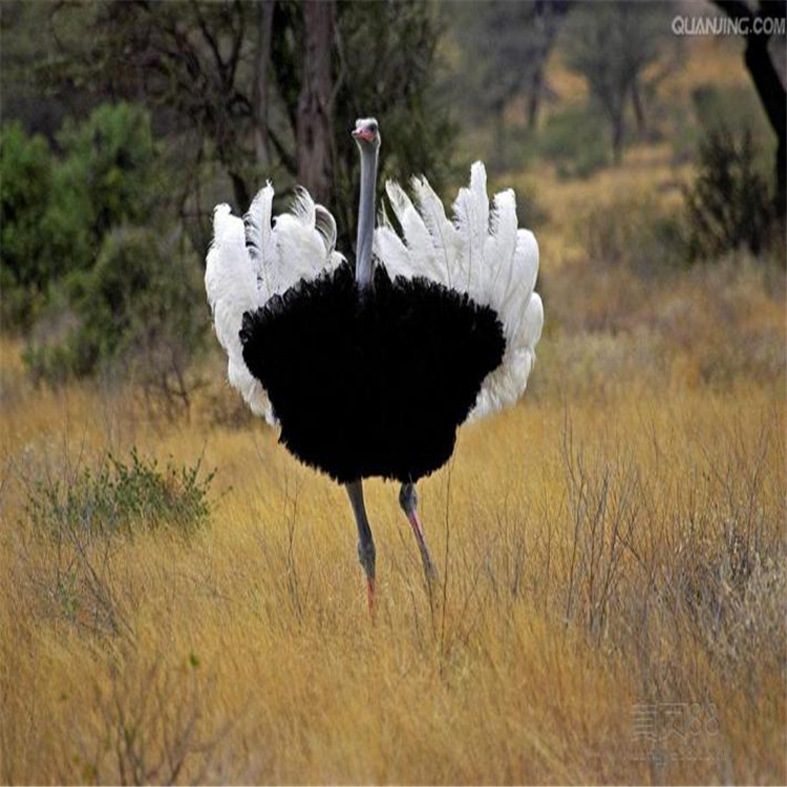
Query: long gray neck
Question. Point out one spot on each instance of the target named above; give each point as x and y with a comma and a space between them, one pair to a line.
363, 251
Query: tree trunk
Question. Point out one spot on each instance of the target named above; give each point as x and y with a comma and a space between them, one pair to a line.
639, 109
241, 191
617, 138
534, 99
315, 168
770, 89
548, 18
263, 55
499, 112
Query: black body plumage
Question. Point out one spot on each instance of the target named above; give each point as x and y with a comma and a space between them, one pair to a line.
374, 382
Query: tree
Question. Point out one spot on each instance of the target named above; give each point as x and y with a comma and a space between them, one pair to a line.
547, 23
387, 66
764, 75
26, 176
268, 89
504, 50
611, 44
261, 81
54, 213
315, 102
728, 206
90, 230
108, 177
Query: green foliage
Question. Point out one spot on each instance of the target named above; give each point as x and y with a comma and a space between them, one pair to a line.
85, 236
196, 66
736, 110
612, 45
400, 89
138, 307
108, 178
729, 205
123, 499
575, 155
55, 213
25, 187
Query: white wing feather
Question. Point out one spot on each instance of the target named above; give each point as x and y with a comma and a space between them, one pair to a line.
481, 253
251, 260
421, 254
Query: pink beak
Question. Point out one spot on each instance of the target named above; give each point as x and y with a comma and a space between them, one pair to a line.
363, 133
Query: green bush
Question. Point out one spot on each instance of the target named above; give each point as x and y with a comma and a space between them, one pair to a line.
55, 214
139, 309
737, 109
636, 233
89, 236
729, 206
107, 178
121, 499
25, 189
576, 155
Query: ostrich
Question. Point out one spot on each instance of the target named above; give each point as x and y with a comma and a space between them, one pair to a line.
369, 369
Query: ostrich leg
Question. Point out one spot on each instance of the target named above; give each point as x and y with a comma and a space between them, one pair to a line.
366, 551
408, 500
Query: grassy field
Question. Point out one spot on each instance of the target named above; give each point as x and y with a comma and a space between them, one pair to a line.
601, 558
612, 571
610, 604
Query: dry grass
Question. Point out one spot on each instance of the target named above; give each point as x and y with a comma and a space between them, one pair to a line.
611, 554
606, 558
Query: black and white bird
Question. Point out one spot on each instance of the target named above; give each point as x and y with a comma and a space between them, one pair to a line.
369, 369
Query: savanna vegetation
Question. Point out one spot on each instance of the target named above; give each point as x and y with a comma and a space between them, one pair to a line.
180, 600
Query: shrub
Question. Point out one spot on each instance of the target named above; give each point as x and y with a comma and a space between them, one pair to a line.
107, 178
575, 155
121, 499
734, 108
83, 240
138, 311
137, 284
729, 205
55, 214
634, 232
26, 182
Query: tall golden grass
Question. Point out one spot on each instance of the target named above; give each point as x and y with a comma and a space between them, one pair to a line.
610, 605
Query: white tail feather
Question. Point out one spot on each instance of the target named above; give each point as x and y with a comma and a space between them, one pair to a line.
325, 224
421, 253
257, 224
480, 253
445, 239
231, 285
251, 260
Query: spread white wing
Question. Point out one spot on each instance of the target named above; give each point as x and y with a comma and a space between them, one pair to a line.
244, 270
480, 252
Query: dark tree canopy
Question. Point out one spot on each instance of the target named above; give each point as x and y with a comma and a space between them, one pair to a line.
264, 89
611, 44
765, 76
504, 52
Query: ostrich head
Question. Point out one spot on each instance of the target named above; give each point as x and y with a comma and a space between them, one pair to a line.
367, 133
